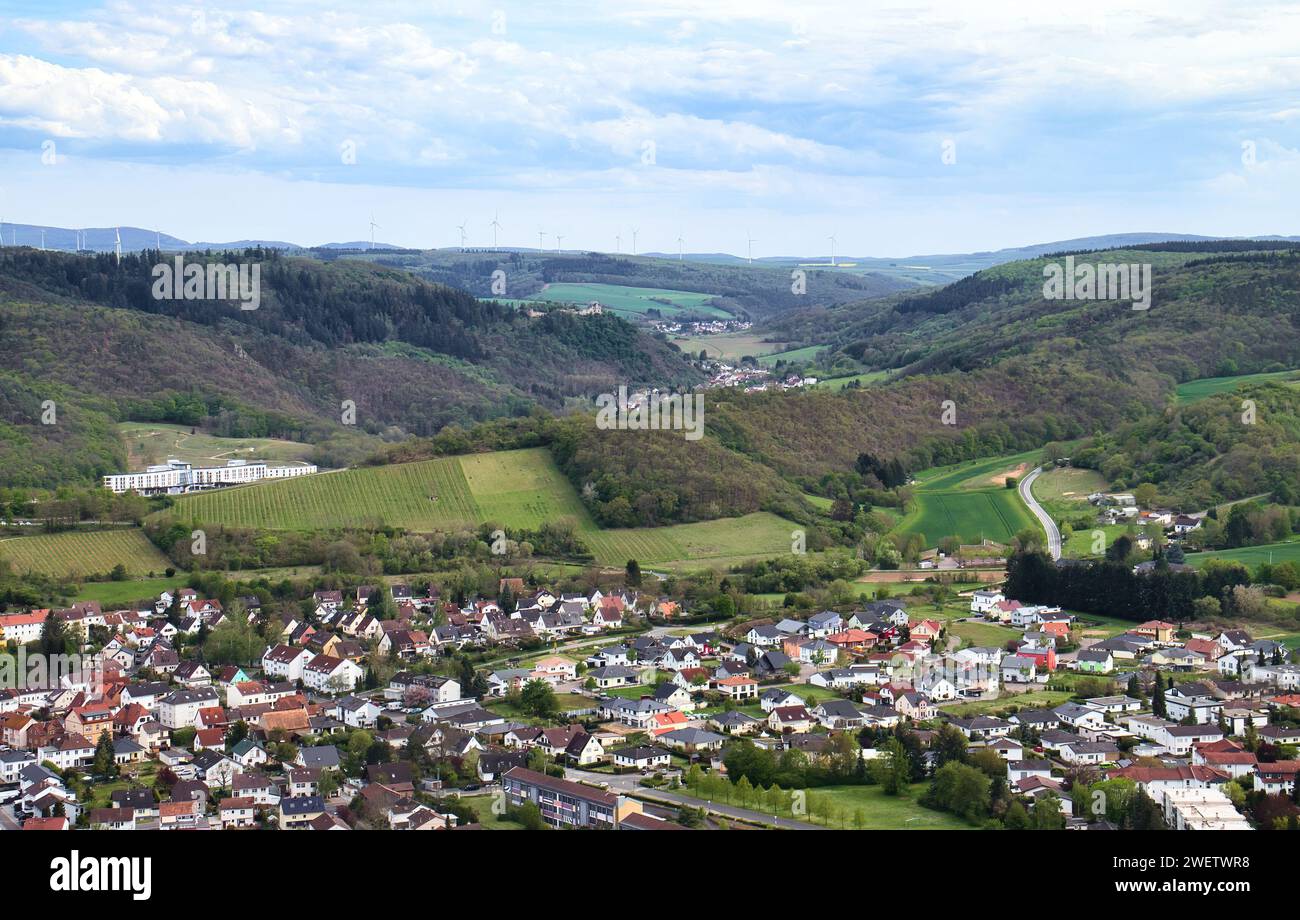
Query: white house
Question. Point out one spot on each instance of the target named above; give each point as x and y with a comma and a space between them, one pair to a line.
285, 662
327, 674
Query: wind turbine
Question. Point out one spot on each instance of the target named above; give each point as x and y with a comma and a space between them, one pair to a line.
750, 240
541, 235
634, 241
559, 240
832, 239
618, 243
495, 227
2, 232
461, 228
679, 248
373, 227
117, 247
157, 240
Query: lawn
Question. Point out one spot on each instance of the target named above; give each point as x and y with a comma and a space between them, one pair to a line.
634, 300
887, 812
118, 594
1034, 699
517, 489
78, 554
984, 634
482, 805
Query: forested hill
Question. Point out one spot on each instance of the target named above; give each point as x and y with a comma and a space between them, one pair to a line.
87, 333
1212, 308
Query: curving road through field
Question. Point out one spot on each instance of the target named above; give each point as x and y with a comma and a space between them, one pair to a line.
1053, 533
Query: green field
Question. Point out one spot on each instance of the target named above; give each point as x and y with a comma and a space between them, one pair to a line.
1031, 700
81, 554
839, 383
517, 489
1209, 386
1250, 555
984, 634
969, 501
728, 345
634, 300
116, 594
148, 443
1068, 484
971, 516
887, 812
799, 354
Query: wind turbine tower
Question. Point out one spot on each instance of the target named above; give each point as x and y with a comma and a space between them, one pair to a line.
634, 241
117, 243
750, 240
461, 228
373, 227
832, 239
495, 227
679, 248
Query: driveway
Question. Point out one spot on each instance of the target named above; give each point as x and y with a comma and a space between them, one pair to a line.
1049, 525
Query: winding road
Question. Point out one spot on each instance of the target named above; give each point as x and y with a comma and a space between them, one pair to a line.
1053, 533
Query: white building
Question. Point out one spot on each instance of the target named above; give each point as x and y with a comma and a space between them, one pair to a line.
176, 476
285, 662
984, 601
22, 628
1200, 810
181, 709
327, 674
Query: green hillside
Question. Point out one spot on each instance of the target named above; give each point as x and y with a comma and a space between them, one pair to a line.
78, 555
517, 489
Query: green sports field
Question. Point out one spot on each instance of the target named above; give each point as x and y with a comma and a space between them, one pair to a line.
80, 554
516, 489
633, 300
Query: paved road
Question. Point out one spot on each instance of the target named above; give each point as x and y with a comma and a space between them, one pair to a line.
1053, 534
627, 785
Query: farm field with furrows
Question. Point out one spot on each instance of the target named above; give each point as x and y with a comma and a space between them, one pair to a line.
78, 555
970, 501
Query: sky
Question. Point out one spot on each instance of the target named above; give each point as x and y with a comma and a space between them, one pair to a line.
898, 129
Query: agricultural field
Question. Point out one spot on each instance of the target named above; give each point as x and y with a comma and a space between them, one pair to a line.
1252, 556
799, 354
1068, 484
634, 300
82, 554
728, 346
970, 501
839, 383
117, 594
969, 515
1210, 386
720, 542
148, 443
517, 489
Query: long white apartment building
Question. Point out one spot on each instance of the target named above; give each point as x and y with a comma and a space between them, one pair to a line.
176, 476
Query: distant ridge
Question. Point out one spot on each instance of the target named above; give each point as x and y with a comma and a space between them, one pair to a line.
935, 267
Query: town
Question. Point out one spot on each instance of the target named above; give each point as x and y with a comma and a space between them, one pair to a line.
393, 706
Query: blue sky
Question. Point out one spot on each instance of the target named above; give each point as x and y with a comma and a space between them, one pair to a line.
709, 120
